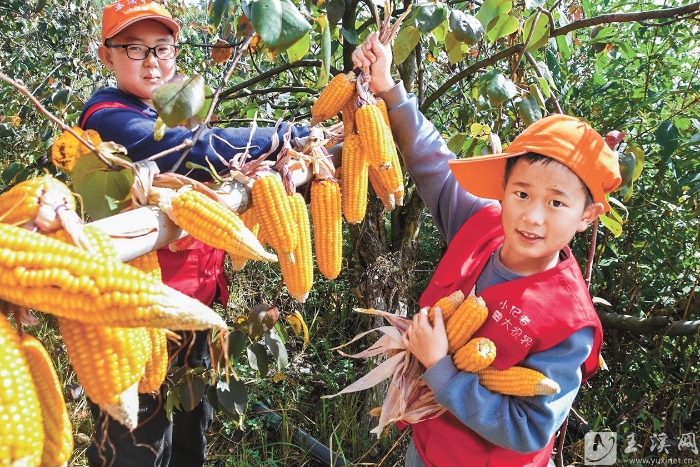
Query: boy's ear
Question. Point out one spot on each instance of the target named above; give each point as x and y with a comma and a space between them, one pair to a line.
590, 214
105, 55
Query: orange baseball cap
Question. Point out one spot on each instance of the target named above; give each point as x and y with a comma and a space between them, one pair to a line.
118, 15
563, 138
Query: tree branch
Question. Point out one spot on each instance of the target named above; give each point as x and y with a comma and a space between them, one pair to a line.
268, 74
655, 325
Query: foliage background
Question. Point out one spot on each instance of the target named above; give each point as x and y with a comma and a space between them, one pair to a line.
632, 73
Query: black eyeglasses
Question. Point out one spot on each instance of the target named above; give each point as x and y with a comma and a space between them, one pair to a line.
141, 52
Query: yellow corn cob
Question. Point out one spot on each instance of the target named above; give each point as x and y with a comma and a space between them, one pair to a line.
348, 112
148, 263
475, 355
390, 179
156, 368
157, 364
387, 197
250, 221
216, 225
298, 275
58, 430
448, 305
21, 426
336, 93
109, 362
381, 105
469, 317
353, 183
375, 134
54, 277
21, 203
272, 208
517, 381
66, 149
326, 213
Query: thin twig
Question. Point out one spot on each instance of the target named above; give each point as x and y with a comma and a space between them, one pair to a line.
61, 124
215, 98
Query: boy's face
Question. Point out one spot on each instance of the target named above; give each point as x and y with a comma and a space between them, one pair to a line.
139, 77
543, 207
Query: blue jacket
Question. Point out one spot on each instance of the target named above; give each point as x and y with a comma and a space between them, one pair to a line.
132, 125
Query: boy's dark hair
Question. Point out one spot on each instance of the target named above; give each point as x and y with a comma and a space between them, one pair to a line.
533, 157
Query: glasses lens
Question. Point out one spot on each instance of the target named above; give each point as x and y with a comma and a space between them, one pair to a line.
165, 52
136, 52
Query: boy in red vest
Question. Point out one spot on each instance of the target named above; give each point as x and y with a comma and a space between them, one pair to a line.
139, 45
550, 183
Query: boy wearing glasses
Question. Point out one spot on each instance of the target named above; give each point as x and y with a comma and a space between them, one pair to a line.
139, 40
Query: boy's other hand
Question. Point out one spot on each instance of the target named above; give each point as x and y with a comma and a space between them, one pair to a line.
377, 57
428, 342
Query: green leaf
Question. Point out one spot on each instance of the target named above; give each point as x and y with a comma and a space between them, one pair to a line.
454, 49
279, 22
405, 42
540, 31
232, 396
613, 226
667, 137
627, 163
466, 28
257, 358
500, 89
529, 110
191, 391
179, 99
429, 16
326, 46
544, 86
505, 26
237, 341
494, 17
335, 10
104, 192
276, 346
299, 49
218, 10
535, 92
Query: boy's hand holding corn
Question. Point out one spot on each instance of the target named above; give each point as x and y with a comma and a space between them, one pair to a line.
426, 341
376, 57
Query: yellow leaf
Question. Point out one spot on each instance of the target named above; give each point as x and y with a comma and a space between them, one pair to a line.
15, 120
298, 325
279, 377
67, 149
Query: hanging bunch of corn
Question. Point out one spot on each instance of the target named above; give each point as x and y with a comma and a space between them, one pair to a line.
334, 96
298, 274
58, 430
21, 420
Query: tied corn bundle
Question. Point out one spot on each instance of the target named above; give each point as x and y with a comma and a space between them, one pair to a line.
409, 399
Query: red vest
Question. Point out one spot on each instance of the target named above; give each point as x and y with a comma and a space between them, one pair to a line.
198, 269
530, 314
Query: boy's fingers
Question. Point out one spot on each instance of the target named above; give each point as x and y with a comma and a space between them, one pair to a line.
437, 317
